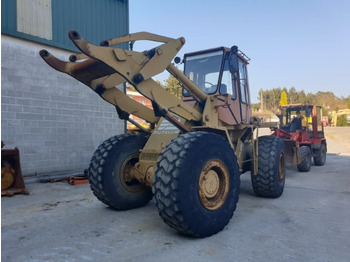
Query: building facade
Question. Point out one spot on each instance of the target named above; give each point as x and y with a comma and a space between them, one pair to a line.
55, 121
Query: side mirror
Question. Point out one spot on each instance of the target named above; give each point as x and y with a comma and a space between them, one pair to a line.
177, 60
234, 49
234, 60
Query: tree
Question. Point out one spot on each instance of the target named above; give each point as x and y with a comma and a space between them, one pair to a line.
261, 98
272, 98
310, 98
302, 97
172, 85
342, 121
325, 111
293, 96
284, 99
324, 99
256, 107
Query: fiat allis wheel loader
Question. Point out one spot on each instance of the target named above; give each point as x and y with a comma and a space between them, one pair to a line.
192, 157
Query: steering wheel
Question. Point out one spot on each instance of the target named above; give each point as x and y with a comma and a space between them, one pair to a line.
208, 89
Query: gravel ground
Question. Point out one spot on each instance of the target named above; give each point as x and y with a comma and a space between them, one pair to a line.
309, 222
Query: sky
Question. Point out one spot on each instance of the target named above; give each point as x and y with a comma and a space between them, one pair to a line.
291, 43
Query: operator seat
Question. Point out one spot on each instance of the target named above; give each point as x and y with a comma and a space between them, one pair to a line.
223, 89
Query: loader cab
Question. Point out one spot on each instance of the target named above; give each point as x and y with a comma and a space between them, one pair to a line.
310, 119
221, 72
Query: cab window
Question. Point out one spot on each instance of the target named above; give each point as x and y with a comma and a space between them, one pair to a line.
204, 70
226, 86
243, 82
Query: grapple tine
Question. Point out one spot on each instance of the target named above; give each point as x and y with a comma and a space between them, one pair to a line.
54, 62
80, 42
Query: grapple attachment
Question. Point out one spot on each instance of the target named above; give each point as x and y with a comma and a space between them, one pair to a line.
104, 67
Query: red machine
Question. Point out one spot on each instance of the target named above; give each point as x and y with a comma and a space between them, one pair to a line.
302, 129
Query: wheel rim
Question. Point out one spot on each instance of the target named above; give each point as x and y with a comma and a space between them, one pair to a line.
213, 185
281, 168
128, 182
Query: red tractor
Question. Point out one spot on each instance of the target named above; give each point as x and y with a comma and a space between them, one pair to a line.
302, 130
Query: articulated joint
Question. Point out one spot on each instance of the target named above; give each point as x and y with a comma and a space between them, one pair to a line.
100, 89
138, 78
104, 43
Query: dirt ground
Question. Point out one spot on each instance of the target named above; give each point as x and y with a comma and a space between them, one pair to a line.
309, 222
338, 140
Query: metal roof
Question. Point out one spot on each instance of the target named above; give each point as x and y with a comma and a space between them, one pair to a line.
96, 20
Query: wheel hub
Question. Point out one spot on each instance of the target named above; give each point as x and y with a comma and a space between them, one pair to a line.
213, 185
126, 179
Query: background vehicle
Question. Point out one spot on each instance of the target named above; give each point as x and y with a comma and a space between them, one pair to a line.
306, 140
192, 157
338, 116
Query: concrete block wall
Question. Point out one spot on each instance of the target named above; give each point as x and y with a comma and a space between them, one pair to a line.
55, 121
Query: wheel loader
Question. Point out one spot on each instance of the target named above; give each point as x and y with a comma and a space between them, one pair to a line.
192, 157
302, 129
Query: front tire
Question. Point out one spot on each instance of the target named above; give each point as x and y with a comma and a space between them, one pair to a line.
109, 173
269, 182
197, 182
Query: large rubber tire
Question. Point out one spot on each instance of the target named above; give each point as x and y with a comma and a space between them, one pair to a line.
320, 155
109, 169
269, 182
305, 163
197, 182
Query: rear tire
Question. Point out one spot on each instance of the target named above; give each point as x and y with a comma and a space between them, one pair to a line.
320, 155
108, 173
305, 164
197, 182
269, 182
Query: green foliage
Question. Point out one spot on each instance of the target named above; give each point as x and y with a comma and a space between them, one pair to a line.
255, 107
271, 99
302, 97
342, 121
293, 97
325, 111
172, 85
